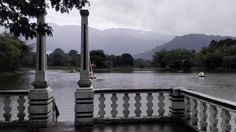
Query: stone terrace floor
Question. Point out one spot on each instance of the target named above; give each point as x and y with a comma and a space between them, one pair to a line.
130, 127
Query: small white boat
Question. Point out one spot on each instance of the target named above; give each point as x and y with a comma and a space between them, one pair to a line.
201, 74
71, 71
92, 76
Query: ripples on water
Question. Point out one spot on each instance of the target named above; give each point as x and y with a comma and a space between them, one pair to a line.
64, 84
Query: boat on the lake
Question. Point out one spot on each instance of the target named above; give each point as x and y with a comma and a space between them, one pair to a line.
201, 74
71, 71
92, 76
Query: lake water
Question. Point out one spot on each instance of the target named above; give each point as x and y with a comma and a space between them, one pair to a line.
221, 85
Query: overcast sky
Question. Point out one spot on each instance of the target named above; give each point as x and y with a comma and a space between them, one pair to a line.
176, 17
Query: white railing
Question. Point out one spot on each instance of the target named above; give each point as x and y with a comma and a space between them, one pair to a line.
13, 107
131, 104
209, 114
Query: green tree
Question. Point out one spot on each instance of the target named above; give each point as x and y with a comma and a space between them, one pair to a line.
75, 57
179, 59
16, 15
158, 59
141, 63
98, 57
126, 60
12, 53
56, 58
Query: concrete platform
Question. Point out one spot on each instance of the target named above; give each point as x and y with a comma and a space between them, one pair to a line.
134, 127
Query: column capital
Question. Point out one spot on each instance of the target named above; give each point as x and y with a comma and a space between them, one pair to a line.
84, 13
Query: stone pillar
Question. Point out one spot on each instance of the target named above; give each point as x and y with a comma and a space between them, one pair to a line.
177, 104
84, 94
40, 98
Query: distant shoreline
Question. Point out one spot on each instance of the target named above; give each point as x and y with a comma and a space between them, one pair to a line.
118, 69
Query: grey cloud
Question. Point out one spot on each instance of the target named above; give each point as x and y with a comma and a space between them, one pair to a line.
171, 16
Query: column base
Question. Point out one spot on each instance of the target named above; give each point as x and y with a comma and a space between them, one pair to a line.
85, 83
41, 107
177, 104
84, 106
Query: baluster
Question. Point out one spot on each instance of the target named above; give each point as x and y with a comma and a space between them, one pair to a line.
203, 116
143, 102
213, 119
120, 103
155, 104
194, 112
161, 104
132, 105
26, 107
114, 105
7, 108
126, 105
102, 106
225, 124
108, 108
96, 105
219, 127
21, 108
137, 105
233, 121
149, 104
1, 108
198, 114
167, 104
208, 117
187, 109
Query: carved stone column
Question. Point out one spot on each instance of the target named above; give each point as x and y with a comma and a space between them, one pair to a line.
40, 98
84, 94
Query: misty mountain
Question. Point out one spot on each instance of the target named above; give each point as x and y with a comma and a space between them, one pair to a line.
190, 41
112, 41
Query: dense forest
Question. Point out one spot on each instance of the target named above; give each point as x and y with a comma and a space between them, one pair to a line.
218, 56
14, 53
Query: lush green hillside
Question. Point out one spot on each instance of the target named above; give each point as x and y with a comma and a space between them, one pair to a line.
190, 42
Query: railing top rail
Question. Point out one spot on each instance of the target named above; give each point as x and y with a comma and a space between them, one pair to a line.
131, 90
210, 99
14, 92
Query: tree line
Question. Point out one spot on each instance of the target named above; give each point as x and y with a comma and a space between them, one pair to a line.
97, 57
15, 54
217, 56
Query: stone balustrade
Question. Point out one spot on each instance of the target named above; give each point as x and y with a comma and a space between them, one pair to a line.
201, 111
130, 104
207, 113
14, 107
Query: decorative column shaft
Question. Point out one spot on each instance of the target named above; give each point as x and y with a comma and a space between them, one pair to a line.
40, 98
84, 94
40, 77
84, 59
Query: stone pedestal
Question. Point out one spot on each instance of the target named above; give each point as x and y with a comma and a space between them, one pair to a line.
41, 107
84, 106
177, 104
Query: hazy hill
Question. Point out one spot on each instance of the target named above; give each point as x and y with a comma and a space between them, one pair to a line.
112, 41
190, 41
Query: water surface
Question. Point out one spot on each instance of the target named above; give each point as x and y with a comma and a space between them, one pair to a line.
64, 84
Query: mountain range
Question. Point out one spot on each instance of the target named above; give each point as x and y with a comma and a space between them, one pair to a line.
113, 41
141, 44
190, 41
